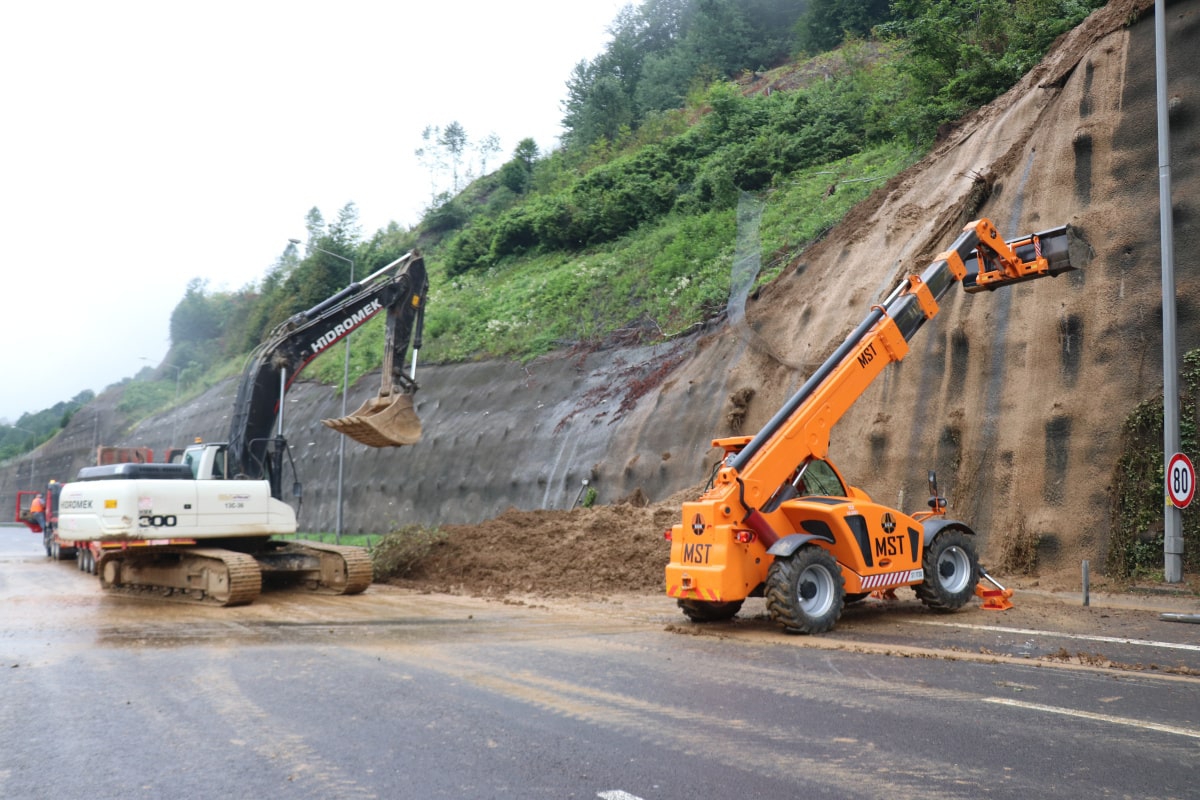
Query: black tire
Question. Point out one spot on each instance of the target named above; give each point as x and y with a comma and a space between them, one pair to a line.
704, 611
951, 572
806, 591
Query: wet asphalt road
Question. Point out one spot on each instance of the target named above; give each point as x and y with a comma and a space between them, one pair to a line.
394, 694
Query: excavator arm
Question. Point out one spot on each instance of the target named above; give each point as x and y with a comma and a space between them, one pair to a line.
399, 289
755, 468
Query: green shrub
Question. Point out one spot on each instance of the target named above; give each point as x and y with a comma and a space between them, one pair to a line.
1138, 492
399, 553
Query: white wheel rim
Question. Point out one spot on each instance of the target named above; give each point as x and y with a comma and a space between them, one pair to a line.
954, 569
814, 589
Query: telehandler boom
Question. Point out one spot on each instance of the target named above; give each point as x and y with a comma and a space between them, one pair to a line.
778, 519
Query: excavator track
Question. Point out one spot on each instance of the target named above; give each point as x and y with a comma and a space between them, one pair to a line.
319, 567
207, 576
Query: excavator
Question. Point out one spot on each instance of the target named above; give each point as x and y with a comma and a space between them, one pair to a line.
778, 520
200, 530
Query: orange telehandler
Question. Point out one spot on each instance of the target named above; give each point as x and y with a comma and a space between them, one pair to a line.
778, 520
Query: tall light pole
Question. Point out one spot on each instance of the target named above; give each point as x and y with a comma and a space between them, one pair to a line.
337, 534
1172, 517
175, 413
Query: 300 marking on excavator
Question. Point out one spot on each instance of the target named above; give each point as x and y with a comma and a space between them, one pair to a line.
696, 553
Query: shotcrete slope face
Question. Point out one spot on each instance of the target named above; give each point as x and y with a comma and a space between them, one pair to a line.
1015, 397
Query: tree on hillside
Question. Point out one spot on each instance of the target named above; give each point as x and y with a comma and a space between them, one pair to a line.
486, 148
454, 141
515, 174
445, 149
431, 156
346, 231
826, 22
314, 223
196, 318
963, 53
659, 50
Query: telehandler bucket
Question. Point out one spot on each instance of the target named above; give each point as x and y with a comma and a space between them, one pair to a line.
387, 420
1049, 253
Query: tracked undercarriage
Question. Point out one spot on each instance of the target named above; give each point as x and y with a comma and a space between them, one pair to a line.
226, 577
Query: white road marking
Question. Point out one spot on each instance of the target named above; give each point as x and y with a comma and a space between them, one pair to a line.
617, 794
1061, 635
1070, 712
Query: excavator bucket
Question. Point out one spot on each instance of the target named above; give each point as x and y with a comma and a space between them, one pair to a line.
382, 421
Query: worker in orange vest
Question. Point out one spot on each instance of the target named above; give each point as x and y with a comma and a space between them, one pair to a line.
37, 511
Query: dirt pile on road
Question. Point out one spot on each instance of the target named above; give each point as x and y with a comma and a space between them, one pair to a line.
581, 552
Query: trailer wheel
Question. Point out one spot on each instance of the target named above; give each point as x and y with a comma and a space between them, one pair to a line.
704, 611
805, 591
951, 572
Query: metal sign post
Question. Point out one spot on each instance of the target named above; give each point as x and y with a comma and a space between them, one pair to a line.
1172, 520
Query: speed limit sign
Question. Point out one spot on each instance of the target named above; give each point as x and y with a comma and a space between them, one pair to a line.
1181, 480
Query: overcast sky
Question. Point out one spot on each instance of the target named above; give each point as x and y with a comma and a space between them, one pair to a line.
147, 143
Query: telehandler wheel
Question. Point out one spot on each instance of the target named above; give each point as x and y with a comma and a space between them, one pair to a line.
951, 572
704, 611
805, 591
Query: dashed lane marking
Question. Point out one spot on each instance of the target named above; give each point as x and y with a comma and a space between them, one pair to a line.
617, 794
1061, 635
1071, 712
